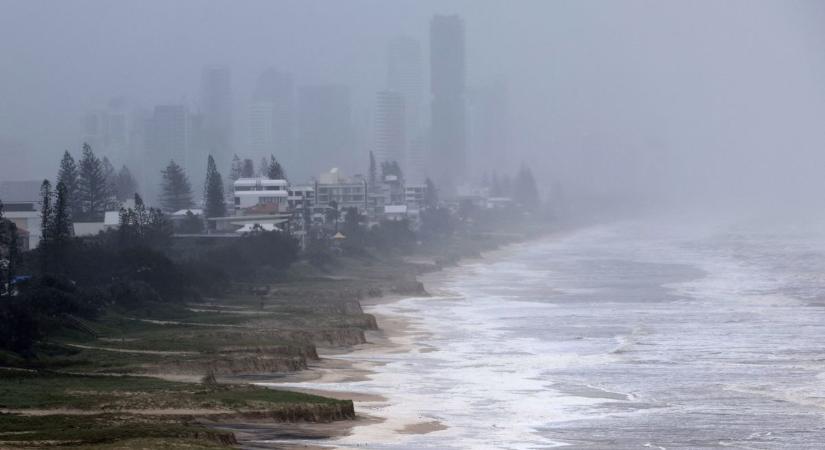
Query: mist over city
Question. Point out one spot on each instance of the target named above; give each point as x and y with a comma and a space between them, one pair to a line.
636, 99
404, 224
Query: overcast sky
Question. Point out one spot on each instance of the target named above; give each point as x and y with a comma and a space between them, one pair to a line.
621, 96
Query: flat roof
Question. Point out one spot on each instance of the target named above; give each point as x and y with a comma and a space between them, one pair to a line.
20, 191
395, 209
259, 181
261, 194
251, 217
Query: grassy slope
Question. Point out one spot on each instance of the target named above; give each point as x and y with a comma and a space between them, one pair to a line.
99, 411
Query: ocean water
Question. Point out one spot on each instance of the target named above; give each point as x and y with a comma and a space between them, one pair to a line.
628, 335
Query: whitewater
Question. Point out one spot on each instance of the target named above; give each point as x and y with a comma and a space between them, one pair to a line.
635, 334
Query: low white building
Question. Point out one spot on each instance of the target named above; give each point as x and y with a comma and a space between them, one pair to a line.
260, 193
395, 212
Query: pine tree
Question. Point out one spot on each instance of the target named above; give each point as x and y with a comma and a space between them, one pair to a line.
95, 193
263, 167
235, 170
176, 192
69, 177
125, 184
46, 229
61, 219
525, 189
248, 169
108, 170
430, 194
213, 191
141, 216
373, 172
274, 171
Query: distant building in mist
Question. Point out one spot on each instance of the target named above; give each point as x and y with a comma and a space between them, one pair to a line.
168, 134
405, 75
447, 84
390, 128
216, 106
325, 130
112, 130
417, 168
272, 117
173, 133
488, 129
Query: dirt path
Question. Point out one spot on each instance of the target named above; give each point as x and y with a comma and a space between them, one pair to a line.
143, 412
138, 352
195, 324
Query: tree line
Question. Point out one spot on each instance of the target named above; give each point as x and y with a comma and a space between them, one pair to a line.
133, 267
92, 186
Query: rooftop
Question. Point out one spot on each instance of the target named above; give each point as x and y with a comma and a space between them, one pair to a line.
260, 181
261, 193
20, 191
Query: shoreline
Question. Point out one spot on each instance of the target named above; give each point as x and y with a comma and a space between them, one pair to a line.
396, 335
311, 339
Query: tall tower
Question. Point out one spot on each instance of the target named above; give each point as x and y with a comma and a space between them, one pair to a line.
272, 117
325, 130
390, 128
405, 75
447, 84
216, 107
169, 135
168, 138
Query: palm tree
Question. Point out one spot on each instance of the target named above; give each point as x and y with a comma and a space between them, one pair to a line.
333, 214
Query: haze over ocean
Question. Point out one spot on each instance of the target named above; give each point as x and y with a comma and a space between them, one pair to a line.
663, 334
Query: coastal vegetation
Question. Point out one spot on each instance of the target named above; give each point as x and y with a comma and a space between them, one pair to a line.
137, 337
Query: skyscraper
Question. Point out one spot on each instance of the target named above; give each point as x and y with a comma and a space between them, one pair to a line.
272, 117
109, 130
216, 107
405, 76
390, 128
447, 84
325, 131
172, 133
168, 137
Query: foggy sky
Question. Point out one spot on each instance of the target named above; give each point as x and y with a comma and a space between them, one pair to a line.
679, 100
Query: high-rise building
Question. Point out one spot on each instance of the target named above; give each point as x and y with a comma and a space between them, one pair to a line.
405, 75
169, 135
109, 130
447, 84
325, 131
261, 134
390, 128
173, 133
488, 129
417, 169
216, 107
272, 117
